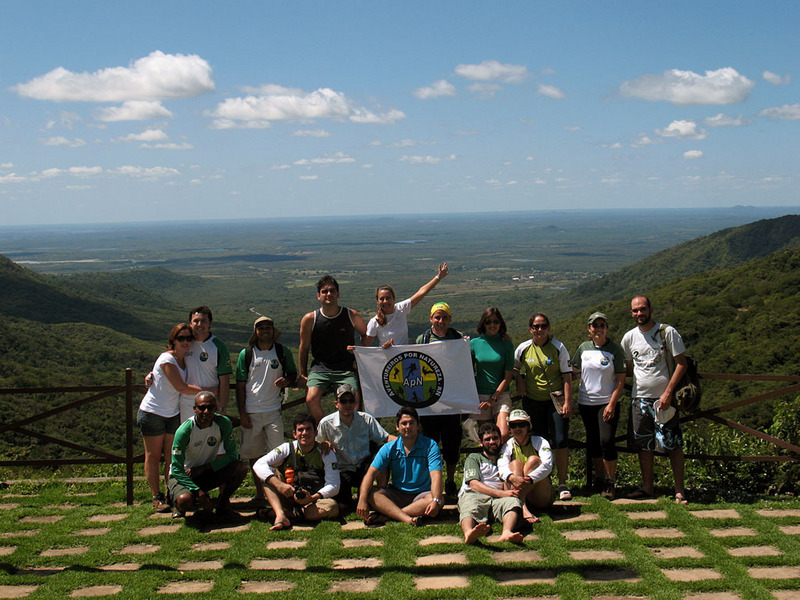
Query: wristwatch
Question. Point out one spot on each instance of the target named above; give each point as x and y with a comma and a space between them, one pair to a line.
439, 501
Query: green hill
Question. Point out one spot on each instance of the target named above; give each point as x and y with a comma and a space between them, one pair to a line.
720, 250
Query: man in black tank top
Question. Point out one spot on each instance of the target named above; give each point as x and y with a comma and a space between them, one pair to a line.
329, 334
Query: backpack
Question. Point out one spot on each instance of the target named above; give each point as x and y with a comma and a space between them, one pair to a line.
248, 359
687, 394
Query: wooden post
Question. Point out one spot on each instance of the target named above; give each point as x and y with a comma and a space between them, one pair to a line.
129, 436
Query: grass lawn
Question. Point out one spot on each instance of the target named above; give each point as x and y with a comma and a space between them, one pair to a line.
59, 540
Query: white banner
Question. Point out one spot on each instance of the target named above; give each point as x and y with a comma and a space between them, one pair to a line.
435, 378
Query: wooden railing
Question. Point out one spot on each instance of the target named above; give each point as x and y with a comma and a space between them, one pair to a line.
103, 392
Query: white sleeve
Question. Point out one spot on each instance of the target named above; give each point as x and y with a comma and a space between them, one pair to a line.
674, 340
504, 460
332, 478
519, 352
545, 455
263, 467
563, 357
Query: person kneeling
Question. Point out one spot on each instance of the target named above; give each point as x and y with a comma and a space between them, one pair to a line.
196, 466
415, 465
298, 479
482, 492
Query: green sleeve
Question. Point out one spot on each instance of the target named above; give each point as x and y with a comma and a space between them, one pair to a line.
472, 468
290, 365
241, 367
179, 445
228, 442
224, 364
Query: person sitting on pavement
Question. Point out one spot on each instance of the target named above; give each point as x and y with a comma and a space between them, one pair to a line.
196, 466
483, 493
525, 463
415, 465
299, 480
349, 433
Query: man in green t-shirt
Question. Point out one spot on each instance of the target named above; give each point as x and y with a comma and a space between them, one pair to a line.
483, 495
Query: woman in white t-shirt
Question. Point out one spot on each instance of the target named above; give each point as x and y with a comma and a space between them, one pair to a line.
159, 412
390, 325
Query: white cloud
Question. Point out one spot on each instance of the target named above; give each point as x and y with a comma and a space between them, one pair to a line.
7, 165
692, 154
277, 103
157, 76
684, 130
145, 172
492, 70
484, 90
168, 146
62, 141
85, 171
425, 160
644, 140
573, 128
327, 159
317, 133
787, 112
723, 120
307, 177
723, 86
614, 146
149, 135
776, 79
550, 91
436, 90
12, 178
403, 143
133, 110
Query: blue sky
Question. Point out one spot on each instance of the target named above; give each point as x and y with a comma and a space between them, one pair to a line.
113, 111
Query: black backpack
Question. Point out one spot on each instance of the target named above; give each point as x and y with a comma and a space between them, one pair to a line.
248, 360
687, 394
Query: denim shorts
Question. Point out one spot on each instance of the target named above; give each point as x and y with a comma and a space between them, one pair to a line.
152, 425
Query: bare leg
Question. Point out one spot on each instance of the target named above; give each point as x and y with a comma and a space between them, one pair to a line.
226, 489
153, 447
509, 524
384, 505
611, 469
274, 500
646, 466
677, 461
314, 402
166, 453
259, 487
562, 461
540, 495
502, 425
473, 530
315, 512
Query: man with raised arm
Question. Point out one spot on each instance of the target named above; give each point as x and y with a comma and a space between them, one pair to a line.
349, 433
328, 333
649, 349
483, 494
196, 466
264, 368
415, 465
308, 490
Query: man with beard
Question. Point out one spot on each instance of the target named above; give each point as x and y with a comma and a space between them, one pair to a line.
483, 493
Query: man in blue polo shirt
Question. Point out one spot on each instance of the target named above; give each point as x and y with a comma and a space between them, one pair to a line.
415, 465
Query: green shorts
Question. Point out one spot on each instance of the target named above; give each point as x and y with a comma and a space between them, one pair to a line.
330, 380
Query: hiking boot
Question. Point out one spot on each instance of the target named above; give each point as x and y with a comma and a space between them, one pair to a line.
160, 504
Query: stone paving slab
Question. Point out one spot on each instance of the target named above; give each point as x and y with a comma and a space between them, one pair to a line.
441, 539
774, 572
201, 565
287, 544
51, 570
452, 558
230, 528
108, 518
713, 596
786, 594
159, 529
585, 517
41, 519
441, 582
354, 526
120, 567
355, 586
686, 575
210, 546
360, 543
790, 529
596, 555
75, 550
755, 551
719, 513
17, 591
187, 587
9, 506
526, 578
677, 552
609, 597
139, 549
96, 590
608, 576
277, 564
579, 535
357, 563
732, 532
650, 514
626, 501
779, 512
7, 550
265, 587
522, 556
94, 531
23, 533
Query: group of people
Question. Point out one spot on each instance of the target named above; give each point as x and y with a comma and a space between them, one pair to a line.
404, 477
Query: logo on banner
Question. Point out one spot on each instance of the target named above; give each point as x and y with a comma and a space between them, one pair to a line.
413, 379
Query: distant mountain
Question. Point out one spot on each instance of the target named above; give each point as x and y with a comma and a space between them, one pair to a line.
723, 249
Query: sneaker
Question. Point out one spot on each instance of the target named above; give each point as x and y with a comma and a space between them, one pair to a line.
176, 514
450, 489
160, 504
609, 490
564, 493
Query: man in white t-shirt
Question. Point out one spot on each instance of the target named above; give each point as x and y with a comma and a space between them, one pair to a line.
264, 368
655, 423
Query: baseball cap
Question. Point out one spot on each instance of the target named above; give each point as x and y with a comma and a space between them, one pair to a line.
254, 336
597, 315
343, 389
517, 415
441, 306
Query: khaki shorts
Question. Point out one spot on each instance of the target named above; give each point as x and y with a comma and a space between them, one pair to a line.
265, 434
479, 506
503, 405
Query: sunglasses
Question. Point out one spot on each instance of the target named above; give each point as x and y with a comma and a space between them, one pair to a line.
205, 407
519, 425
185, 338
539, 327
492, 322
346, 400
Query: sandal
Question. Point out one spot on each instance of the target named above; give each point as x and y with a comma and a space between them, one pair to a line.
680, 498
564, 493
